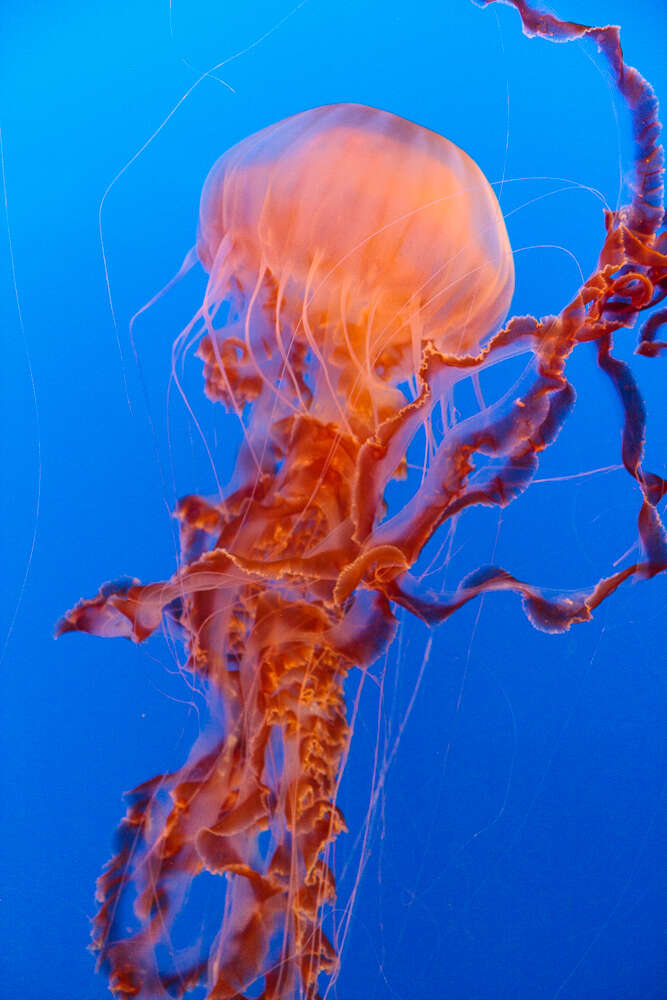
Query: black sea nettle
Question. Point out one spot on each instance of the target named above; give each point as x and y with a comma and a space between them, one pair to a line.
364, 269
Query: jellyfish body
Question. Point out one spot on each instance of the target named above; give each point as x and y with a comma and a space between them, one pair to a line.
345, 238
364, 268
361, 237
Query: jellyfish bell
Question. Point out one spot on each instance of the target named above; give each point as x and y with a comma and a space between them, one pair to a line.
354, 236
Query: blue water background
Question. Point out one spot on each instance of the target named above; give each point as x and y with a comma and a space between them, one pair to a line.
518, 848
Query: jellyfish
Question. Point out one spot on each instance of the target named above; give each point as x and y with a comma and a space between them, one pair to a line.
358, 269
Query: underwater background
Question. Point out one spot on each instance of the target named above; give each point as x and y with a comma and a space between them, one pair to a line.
518, 849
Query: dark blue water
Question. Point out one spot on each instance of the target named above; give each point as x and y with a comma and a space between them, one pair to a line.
518, 849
